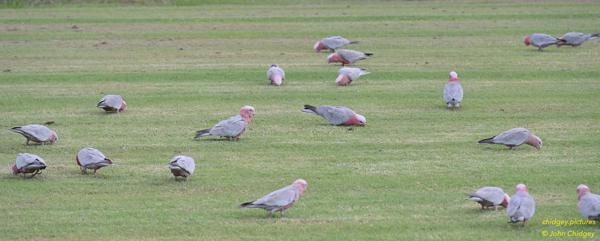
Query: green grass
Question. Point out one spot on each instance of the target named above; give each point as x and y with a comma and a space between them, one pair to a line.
403, 177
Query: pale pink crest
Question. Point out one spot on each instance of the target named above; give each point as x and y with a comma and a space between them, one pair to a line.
521, 187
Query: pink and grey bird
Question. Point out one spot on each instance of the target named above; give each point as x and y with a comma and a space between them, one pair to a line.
575, 39
39, 134
112, 103
589, 203
514, 137
332, 43
276, 75
453, 91
521, 206
231, 128
540, 40
91, 158
280, 200
490, 197
182, 166
27, 163
347, 56
337, 115
348, 74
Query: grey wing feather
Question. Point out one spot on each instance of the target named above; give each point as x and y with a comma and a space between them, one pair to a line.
185, 162
281, 197
521, 205
90, 155
515, 136
543, 40
229, 127
336, 115
112, 101
352, 55
575, 38
27, 159
335, 42
589, 205
39, 132
275, 70
453, 93
492, 194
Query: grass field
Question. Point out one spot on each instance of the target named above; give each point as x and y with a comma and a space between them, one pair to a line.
402, 177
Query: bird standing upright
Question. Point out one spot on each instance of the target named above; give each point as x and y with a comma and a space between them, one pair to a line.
589, 203
453, 91
521, 206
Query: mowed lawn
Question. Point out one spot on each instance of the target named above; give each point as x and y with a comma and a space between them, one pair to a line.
402, 177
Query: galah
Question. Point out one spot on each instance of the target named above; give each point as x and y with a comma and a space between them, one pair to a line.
182, 166
490, 197
575, 39
347, 56
231, 128
514, 137
589, 203
337, 115
39, 134
276, 75
348, 74
540, 40
332, 43
453, 91
91, 158
28, 163
521, 206
280, 200
112, 103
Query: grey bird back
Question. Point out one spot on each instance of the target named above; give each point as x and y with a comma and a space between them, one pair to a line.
229, 127
515, 136
336, 115
453, 93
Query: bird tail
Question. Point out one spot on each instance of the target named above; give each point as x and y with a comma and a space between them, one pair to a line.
247, 205
16, 129
202, 133
368, 54
100, 104
487, 140
48, 122
309, 109
596, 35
354, 42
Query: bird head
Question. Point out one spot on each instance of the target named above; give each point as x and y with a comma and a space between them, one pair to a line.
123, 106
301, 184
521, 187
527, 40
14, 169
537, 143
319, 46
342, 79
334, 58
453, 76
505, 201
247, 112
53, 137
582, 189
361, 120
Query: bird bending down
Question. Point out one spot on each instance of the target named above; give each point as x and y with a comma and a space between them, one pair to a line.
231, 128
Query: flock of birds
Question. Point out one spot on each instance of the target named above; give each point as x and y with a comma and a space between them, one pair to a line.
520, 206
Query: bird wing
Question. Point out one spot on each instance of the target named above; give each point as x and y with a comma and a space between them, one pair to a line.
515, 136
335, 42
185, 162
275, 71
351, 55
112, 101
589, 205
90, 155
575, 38
39, 132
229, 127
492, 194
543, 39
280, 198
27, 159
514, 205
453, 91
336, 115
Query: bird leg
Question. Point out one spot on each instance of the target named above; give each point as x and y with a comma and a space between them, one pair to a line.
83, 171
95, 172
281, 212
